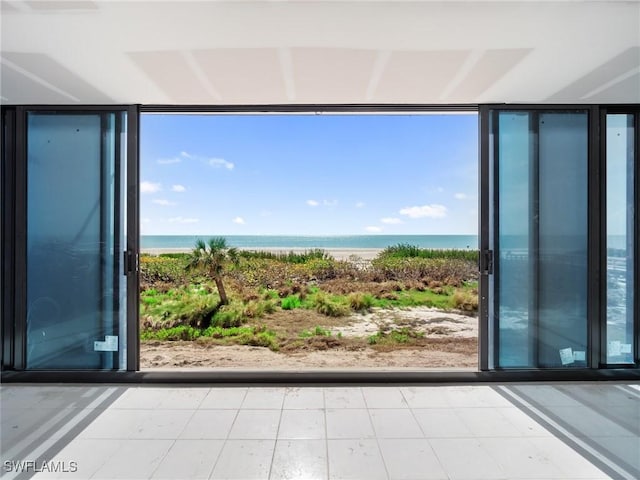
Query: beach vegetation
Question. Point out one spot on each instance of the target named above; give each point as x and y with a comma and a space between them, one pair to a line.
291, 302
330, 305
258, 336
404, 335
181, 332
466, 299
405, 250
213, 258
288, 257
162, 273
288, 301
192, 306
318, 331
360, 302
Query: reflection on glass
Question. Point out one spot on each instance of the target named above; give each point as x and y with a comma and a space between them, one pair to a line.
541, 302
73, 275
515, 149
620, 238
562, 239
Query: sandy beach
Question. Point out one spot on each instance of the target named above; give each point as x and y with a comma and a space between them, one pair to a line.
337, 253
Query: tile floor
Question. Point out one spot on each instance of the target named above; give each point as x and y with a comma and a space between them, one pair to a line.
551, 431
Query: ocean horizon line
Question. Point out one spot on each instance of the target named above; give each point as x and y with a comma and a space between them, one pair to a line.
374, 241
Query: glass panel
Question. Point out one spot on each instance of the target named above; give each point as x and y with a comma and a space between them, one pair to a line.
541, 268
620, 238
515, 153
563, 233
74, 275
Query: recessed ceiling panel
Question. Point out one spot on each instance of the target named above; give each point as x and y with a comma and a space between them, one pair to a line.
55, 74
54, 5
600, 76
331, 75
419, 76
243, 75
171, 73
7, 8
619, 92
488, 70
17, 88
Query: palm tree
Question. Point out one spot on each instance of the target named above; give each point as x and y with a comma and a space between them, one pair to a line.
213, 258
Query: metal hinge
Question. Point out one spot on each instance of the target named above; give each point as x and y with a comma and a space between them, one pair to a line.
485, 262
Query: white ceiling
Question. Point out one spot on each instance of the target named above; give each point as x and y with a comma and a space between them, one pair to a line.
306, 52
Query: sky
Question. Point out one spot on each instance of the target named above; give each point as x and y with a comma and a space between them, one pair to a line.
323, 174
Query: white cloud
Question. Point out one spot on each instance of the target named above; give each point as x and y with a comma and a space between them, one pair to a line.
391, 220
163, 202
168, 161
239, 220
429, 211
360, 205
220, 163
373, 229
178, 188
212, 161
460, 196
183, 220
313, 203
150, 187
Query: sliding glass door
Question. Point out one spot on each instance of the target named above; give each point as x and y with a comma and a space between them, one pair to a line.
559, 224
75, 270
620, 155
541, 230
74, 238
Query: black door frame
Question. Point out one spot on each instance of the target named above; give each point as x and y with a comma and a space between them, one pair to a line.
486, 372
597, 261
14, 217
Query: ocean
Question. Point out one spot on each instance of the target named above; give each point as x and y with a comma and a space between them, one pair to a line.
338, 241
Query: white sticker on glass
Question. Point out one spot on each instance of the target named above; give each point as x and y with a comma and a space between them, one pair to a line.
579, 356
615, 348
110, 344
566, 356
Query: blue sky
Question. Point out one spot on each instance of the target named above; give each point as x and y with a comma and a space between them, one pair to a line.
309, 174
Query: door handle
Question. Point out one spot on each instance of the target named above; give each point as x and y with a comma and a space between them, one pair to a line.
131, 262
485, 262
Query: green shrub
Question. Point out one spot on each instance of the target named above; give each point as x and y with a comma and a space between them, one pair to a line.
359, 301
405, 250
288, 257
182, 332
162, 269
316, 332
454, 272
192, 306
291, 302
323, 304
231, 315
402, 336
466, 300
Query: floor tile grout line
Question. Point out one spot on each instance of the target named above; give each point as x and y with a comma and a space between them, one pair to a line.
226, 439
375, 435
175, 440
275, 442
424, 435
326, 433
